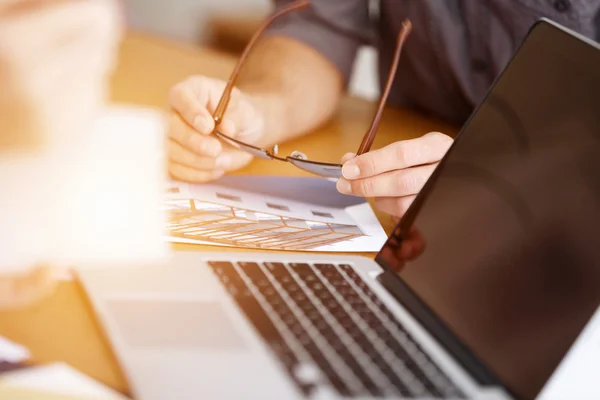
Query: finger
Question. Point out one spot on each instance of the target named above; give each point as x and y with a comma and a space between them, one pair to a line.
398, 183
189, 138
395, 206
412, 246
227, 127
242, 121
233, 159
179, 154
209, 91
390, 255
407, 250
185, 99
419, 243
191, 175
427, 149
347, 157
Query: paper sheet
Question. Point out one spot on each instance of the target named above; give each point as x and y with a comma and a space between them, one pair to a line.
12, 352
270, 212
61, 379
18, 393
92, 200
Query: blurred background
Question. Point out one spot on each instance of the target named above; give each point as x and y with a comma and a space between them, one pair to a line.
227, 25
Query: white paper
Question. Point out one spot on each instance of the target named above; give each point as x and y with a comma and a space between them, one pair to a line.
92, 200
60, 378
577, 375
275, 213
12, 352
111, 200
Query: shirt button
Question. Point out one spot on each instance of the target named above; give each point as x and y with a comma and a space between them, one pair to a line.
562, 5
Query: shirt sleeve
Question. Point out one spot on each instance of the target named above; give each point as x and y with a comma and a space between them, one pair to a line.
334, 28
597, 22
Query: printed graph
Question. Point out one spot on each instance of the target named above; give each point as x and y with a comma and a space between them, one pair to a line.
241, 227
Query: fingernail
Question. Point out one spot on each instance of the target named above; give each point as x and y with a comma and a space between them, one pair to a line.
347, 157
350, 170
223, 161
203, 124
343, 186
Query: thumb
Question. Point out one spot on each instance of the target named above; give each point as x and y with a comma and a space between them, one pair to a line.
184, 100
233, 159
347, 156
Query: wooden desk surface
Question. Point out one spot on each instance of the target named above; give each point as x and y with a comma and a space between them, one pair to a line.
62, 327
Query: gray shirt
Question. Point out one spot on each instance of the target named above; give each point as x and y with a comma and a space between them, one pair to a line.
456, 48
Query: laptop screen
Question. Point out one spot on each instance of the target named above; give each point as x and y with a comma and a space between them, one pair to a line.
509, 222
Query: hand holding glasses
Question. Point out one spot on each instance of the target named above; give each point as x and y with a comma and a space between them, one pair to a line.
297, 158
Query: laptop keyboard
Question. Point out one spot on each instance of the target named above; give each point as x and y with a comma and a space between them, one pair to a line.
329, 329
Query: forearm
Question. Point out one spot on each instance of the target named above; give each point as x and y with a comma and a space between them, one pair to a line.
294, 87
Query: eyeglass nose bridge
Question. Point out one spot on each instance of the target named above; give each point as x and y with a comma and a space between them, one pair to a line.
296, 158
324, 169
255, 151
273, 153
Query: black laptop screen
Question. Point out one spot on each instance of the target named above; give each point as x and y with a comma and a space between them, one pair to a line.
510, 221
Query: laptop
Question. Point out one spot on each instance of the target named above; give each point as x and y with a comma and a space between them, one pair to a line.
501, 300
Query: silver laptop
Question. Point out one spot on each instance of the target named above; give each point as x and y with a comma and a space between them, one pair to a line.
487, 289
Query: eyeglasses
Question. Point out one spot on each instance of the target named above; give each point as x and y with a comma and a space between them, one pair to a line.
297, 158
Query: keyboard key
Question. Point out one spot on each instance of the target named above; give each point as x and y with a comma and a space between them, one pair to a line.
252, 270
381, 346
262, 323
325, 366
307, 373
432, 381
320, 323
276, 269
326, 269
301, 269
367, 346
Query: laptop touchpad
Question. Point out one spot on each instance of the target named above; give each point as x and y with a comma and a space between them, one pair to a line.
172, 323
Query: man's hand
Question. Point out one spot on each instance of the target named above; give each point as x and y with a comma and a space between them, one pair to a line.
55, 57
402, 248
194, 154
395, 174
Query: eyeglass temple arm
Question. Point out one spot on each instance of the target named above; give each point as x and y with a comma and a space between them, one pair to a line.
369, 137
224, 101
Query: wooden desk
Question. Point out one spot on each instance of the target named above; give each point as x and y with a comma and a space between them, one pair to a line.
62, 327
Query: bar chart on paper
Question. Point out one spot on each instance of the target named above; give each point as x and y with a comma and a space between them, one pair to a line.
300, 214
